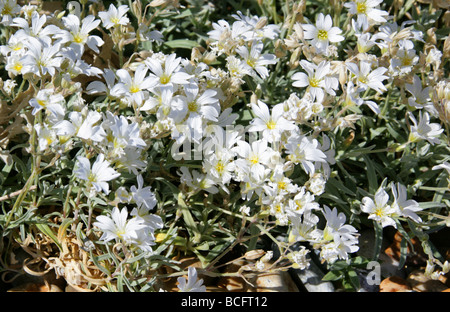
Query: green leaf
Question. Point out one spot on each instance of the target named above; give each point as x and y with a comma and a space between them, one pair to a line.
371, 174
353, 279
403, 252
182, 44
98, 265
188, 219
378, 240
44, 228
333, 276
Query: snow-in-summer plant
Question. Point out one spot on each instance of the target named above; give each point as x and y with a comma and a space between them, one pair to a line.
136, 135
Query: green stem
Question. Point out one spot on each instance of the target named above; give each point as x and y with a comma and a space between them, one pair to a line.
238, 240
21, 196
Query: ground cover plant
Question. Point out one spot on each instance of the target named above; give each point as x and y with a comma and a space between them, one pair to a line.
138, 134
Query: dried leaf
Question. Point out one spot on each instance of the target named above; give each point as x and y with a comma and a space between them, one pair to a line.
254, 254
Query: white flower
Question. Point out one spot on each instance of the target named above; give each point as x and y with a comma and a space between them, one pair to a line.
272, 125
304, 151
41, 59
238, 68
317, 80
82, 127
143, 196
434, 57
201, 104
245, 210
279, 185
366, 12
366, 78
114, 16
302, 202
197, 180
336, 225
299, 259
338, 239
37, 29
121, 135
379, 210
326, 148
98, 176
133, 86
420, 96
107, 87
316, 183
256, 156
256, 29
219, 168
322, 33
48, 100
144, 33
424, 130
9, 85
8, 9
404, 60
78, 32
167, 73
117, 226
75, 65
14, 46
132, 159
259, 265
256, 60
338, 248
407, 207
352, 98
365, 41
46, 137
193, 284
227, 37
304, 228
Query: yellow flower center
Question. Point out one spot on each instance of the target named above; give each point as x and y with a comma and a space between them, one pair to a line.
134, 89
271, 125
92, 177
254, 160
282, 185
251, 62
120, 233
322, 34
192, 107
110, 137
164, 79
313, 82
203, 184
18, 67
379, 211
327, 235
299, 204
114, 20
406, 61
362, 79
7, 9
278, 208
361, 8
220, 168
78, 38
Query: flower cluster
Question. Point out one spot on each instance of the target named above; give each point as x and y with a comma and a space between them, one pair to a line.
285, 126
